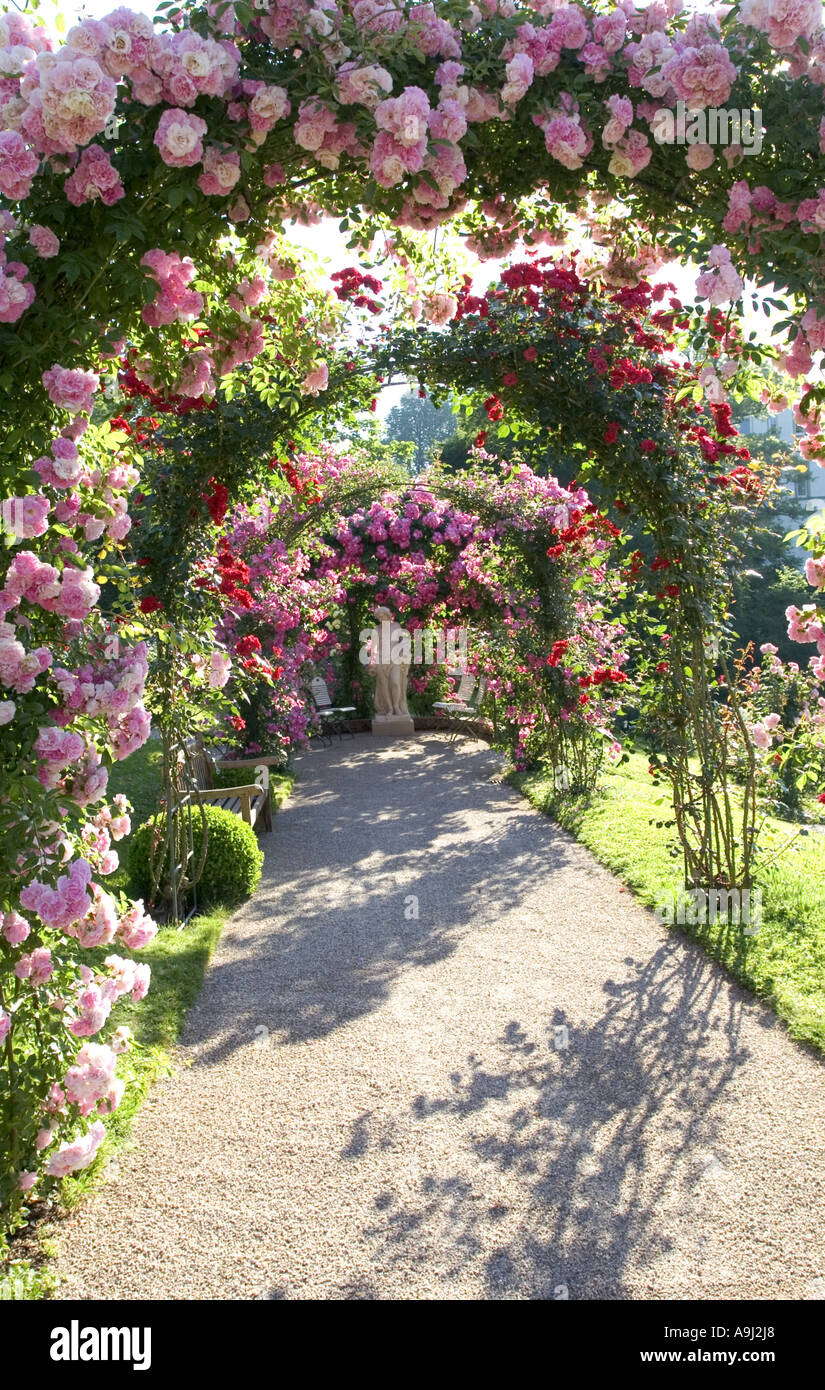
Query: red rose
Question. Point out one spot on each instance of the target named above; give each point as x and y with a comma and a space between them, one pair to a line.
530, 354
509, 379
494, 408
150, 604
248, 645
647, 446
611, 434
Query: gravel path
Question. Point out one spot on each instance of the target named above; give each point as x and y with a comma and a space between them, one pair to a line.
373, 1104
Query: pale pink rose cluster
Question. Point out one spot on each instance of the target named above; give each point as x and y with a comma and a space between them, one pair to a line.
37, 967
565, 139
91, 1083
64, 469
282, 23
112, 690
439, 308
19, 669
784, 21
243, 347
701, 76
17, 293
318, 130
121, 41
80, 1153
128, 977
179, 137
59, 747
44, 241
631, 154
720, 283
763, 731
804, 625
220, 666
751, 208
315, 380
190, 66
247, 294
15, 928
621, 116
69, 99
431, 35
221, 171
362, 86
88, 784
63, 906
29, 515
18, 165
197, 378
174, 301
811, 213
71, 388
136, 927
378, 17
267, 104
5, 1025
95, 177
406, 117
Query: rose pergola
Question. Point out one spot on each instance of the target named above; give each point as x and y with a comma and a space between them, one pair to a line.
147, 176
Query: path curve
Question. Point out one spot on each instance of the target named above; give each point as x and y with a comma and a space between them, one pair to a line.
373, 1104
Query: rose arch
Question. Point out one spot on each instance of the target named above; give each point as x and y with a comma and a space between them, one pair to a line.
147, 178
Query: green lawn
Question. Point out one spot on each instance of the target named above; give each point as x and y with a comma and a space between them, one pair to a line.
139, 778
784, 963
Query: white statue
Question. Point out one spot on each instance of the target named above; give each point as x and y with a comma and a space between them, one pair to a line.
392, 662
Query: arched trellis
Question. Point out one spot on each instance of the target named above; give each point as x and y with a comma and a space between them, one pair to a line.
596, 372
470, 552
486, 109
131, 153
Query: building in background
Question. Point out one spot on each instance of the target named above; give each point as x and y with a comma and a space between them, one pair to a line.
807, 486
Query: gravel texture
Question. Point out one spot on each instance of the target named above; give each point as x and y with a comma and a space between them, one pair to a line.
373, 1104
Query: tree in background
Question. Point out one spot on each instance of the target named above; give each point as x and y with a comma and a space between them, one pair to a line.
417, 421
770, 578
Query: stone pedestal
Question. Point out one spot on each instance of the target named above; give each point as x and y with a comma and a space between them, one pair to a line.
392, 725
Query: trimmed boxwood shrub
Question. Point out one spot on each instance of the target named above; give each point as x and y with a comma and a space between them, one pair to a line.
233, 858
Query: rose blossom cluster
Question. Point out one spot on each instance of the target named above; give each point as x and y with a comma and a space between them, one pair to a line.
71, 593
174, 301
720, 283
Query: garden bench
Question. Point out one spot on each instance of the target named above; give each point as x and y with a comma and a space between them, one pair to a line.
329, 714
249, 799
465, 705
